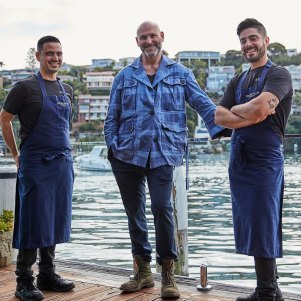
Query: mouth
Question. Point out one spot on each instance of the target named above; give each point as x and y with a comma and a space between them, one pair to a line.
150, 48
251, 51
54, 64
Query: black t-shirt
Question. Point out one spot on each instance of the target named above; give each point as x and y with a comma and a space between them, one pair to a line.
25, 101
277, 81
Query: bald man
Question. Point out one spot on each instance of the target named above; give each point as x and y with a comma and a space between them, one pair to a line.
146, 134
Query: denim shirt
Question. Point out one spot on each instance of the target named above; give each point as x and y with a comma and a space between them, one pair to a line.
148, 121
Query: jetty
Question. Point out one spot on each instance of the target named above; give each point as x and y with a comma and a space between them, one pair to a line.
98, 283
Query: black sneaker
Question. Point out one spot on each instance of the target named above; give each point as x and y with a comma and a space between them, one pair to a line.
27, 291
253, 297
54, 282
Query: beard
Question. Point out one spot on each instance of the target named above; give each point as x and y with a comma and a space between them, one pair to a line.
152, 53
255, 58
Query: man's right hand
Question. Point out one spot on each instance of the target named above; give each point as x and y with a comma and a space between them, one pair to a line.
16, 158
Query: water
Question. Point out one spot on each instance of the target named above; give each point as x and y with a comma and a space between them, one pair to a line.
100, 233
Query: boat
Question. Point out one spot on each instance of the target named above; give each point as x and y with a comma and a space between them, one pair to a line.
97, 159
200, 132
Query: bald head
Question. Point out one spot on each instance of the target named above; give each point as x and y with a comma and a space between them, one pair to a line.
147, 26
149, 39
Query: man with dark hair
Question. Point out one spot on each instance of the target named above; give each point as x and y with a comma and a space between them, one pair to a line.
45, 170
46, 39
257, 104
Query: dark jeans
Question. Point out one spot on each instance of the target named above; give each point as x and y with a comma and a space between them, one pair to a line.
131, 181
27, 257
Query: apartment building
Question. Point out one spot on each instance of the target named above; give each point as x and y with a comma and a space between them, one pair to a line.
92, 107
295, 72
19, 74
102, 63
99, 81
218, 78
187, 57
123, 62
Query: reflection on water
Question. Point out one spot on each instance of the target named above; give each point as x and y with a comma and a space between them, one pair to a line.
100, 233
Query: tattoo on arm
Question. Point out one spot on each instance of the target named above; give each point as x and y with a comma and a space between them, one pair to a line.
273, 103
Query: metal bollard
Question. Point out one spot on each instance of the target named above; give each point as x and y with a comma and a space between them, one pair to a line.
203, 286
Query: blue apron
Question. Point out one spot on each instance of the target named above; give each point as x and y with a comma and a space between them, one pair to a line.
45, 177
256, 181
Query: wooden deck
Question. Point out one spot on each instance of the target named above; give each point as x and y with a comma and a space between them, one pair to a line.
96, 283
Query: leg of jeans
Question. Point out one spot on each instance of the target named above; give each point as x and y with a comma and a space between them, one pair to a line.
131, 182
160, 182
46, 260
25, 260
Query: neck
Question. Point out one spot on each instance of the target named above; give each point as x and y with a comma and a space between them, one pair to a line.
259, 63
151, 64
48, 76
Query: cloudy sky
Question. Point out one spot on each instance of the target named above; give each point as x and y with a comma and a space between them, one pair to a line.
91, 29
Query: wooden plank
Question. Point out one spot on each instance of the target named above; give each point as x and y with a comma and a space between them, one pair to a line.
99, 283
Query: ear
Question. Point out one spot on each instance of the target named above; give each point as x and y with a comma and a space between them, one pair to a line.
137, 41
267, 41
162, 35
38, 56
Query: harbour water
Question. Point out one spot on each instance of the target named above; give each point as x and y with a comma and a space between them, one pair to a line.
100, 233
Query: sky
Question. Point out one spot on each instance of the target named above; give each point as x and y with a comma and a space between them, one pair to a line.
95, 29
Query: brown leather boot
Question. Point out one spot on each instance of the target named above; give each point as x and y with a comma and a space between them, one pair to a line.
142, 276
169, 287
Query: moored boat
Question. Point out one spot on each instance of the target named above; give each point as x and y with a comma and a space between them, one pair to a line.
95, 160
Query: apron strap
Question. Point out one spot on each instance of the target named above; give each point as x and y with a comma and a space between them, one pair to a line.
43, 88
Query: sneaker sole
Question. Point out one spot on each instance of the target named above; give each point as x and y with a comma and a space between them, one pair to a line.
28, 299
54, 289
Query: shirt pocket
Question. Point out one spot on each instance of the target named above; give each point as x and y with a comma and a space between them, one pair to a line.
129, 95
174, 137
126, 135
173, 94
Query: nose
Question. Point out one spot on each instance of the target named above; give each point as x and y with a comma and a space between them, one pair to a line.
149, 40
248, 42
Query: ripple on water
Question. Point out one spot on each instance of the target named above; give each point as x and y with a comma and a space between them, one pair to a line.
100, 231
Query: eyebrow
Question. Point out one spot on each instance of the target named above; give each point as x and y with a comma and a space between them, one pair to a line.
250, 37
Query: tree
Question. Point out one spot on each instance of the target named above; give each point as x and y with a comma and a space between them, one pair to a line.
297, 98
198, 68
293, 125
3, 95
277, 49
31, 61
233, 58
192, 118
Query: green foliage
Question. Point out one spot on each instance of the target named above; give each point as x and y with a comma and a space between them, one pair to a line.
233, 58
31, 61
6, 221
277, 49
98, 138
92, 126
192, 118
294, 125
295, 59
297, 98
198, 68
3, 95
107, 68
78, 87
